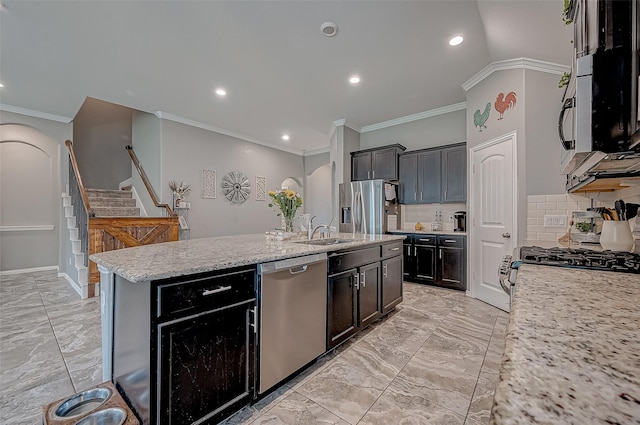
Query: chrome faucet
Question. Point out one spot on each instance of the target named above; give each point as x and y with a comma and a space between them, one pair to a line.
312, 230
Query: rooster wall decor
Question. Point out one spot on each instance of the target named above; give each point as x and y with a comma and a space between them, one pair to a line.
479, 119
504, 103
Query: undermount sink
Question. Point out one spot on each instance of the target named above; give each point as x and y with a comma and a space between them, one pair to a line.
328, 241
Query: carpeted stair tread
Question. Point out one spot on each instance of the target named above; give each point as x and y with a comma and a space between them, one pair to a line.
112, 202
108, 193
116, 212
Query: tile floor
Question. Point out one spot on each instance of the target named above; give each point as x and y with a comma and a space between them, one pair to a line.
434, 360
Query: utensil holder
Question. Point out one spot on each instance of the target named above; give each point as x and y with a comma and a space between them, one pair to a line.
616, 236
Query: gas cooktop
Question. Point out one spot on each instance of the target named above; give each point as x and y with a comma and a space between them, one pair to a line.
618, 261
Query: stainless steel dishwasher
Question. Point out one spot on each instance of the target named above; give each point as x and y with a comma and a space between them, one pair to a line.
293, 316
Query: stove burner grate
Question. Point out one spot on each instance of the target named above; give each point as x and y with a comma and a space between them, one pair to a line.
627, 262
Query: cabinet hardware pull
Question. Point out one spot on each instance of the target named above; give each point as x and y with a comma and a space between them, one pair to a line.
373, 174
421, 196
395, 249
415, 251
215, 291
424, 240
385, 270
415, 196
254, 325
368, 175
449, 241
364, 284
358, 281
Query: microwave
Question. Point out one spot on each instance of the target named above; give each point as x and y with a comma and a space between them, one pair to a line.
604, 109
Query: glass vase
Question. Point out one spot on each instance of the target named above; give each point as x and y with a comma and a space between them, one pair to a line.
288, 224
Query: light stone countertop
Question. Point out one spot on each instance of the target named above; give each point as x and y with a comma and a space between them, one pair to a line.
572, 353
169, 259
429, 232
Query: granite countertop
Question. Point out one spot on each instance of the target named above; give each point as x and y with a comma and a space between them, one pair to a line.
159, 261
572, 353
429, 232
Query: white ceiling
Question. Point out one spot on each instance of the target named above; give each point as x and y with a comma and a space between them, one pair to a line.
280, 72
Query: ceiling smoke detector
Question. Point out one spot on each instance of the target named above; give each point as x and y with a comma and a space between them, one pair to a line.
329, 29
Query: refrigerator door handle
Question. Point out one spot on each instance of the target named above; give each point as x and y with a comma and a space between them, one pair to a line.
364, 216
354, 213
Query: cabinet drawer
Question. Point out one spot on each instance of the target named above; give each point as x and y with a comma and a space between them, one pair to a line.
341, 261
205, 293
424, 239
392, 249
451, 241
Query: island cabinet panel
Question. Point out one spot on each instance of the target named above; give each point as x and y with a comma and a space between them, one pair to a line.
184, 348
205, 362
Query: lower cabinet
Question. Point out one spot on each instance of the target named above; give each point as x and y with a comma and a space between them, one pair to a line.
184, 348
205, 364
436, 260
362, 286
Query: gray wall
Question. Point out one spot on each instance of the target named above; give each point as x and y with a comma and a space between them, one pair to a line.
318, 188
146, 134
186, 151
102, 130
439, 130
543, 148
41, 142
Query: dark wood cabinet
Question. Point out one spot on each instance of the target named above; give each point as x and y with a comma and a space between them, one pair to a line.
436, 175
451, 261
369, 295
205, 364
378, 163
454, 174
436, 260
342, 305
184, 348
391, 283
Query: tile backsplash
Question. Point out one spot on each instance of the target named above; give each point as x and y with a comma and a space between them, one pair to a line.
426, 214
565, 204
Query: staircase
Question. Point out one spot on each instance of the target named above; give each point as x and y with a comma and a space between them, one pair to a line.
112, 203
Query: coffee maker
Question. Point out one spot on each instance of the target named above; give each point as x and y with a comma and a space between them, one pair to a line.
460, 221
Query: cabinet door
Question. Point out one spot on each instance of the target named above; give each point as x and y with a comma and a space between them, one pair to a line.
369, 294
425, 263
408, 179
451, 267
385, 164
342, 319
429, 177
361, 166
408, 271
454, 172
391, 283
204, 363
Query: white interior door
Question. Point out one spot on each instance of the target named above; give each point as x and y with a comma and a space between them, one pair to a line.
493, 221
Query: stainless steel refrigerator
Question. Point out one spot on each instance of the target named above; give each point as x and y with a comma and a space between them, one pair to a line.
369, 207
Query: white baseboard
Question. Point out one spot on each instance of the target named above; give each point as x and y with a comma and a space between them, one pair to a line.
125, 183
76, 287
33, 269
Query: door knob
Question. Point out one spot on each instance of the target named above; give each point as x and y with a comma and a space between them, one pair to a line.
506, 235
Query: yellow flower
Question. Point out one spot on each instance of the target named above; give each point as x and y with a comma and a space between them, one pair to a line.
272, 192
290, 193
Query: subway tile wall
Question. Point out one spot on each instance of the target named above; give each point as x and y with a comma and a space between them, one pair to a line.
565, 204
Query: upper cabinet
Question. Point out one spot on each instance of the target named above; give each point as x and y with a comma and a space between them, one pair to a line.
378, 163
433, 176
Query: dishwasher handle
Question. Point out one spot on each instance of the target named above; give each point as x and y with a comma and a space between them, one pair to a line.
297, 270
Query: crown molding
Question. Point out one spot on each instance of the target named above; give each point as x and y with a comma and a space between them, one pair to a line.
520, 63
416, 117
198, 124
317, 151
32, 113
346, 123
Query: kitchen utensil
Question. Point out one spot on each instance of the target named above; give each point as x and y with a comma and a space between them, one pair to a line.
623, 210
632, 210
618, 209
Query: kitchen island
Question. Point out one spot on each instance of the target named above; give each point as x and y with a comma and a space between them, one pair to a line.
572, 353
183, 321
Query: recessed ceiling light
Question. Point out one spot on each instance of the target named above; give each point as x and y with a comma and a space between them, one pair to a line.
329, 29
354, 79
285, 137
221, 92
1, 85
455, 40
